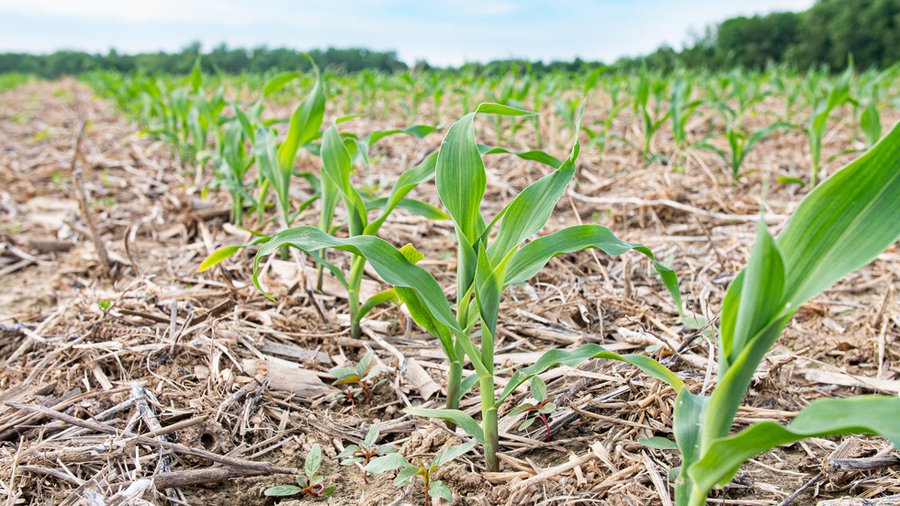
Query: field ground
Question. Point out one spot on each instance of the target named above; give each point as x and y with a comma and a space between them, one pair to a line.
210, 356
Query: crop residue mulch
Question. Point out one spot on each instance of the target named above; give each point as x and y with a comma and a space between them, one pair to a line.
140, 381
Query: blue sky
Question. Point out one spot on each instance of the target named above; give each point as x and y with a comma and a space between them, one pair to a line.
447, 32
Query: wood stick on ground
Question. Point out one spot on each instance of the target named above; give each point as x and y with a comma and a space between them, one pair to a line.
553, 471
85, 207
175, 447
140, 396
862, 464
206, 475
789, 499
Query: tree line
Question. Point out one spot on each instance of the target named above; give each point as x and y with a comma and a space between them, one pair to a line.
826, 34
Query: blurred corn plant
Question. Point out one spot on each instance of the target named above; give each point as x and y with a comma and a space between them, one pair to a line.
740, 143
838, 94
652, 117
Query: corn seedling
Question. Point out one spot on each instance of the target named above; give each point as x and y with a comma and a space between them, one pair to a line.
362, 454
839, 227
541, 409
600, 137
276, 162
361, 380
335, 184
651, 117
681, 108
739, 143
838, 95
869, 119
484, 270
432, 488
309, 484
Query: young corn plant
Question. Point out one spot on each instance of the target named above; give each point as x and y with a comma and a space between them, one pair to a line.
432, 488
838, 95
485, 268
309, 484
652, 118
842, 225
275, 160
869, 119
599, 137
336, 186
364, 453
739, 143
681, 108
234, 140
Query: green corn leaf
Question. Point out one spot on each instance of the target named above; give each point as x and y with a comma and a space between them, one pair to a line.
267, 163
876, 415
405, 184
870, 123
532, 257
305, 123
330, 197
488, 292
415, 206
387, 261
532, 155
460, 418
196, 78
577, 356
423, 209
275, 84
218, 256
461, 179
467, 384
844, 223
690, 411
840, 226
417, 131
531, 208
452, 453
658, 443
460, 174
760, 296
502, 110
336, 166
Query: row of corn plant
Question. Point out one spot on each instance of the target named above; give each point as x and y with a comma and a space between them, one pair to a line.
485, 267
187, 113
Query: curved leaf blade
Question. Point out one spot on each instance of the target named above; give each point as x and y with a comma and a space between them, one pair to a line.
871, 414
460, 418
